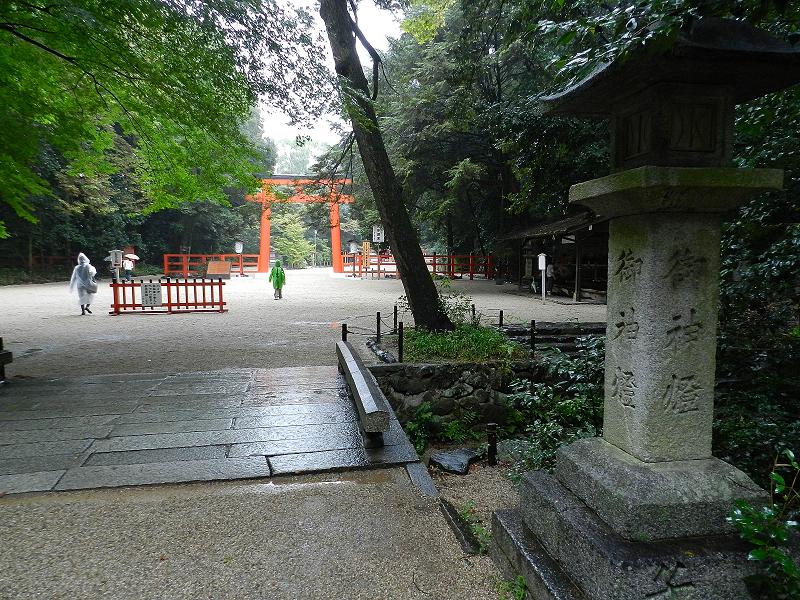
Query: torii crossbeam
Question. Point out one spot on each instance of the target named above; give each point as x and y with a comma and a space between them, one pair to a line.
267, 198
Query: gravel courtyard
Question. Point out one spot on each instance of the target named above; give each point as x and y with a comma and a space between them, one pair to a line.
41, 324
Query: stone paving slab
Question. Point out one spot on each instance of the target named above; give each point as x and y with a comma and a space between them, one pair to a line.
21, 483
169, 472
211, 438
44, 448
308, 418
129, 429
66, 422
331, 460
119, 431
159, 455
32, 464
53, 435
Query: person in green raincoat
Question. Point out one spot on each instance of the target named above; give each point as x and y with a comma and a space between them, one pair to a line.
278, 279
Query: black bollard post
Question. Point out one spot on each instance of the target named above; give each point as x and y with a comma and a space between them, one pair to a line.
378, 327
400, 341
395, 319
344, 332
500, 324
491, 437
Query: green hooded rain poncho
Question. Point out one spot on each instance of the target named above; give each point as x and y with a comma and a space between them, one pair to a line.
277, 276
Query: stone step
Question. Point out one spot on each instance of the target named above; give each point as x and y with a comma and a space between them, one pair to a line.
517, 552
612, 567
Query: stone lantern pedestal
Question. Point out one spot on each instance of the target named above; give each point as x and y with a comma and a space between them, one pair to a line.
641, 512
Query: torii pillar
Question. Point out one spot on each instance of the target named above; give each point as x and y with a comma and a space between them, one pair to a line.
266, 197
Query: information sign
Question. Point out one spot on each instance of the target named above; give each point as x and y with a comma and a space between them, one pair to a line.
151, 294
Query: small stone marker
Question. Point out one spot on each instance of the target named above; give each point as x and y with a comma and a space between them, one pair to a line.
624, 515
456, 461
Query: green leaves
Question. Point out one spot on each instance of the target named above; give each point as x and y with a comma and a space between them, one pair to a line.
176, 79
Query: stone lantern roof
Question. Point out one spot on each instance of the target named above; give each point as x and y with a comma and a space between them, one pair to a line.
749, 61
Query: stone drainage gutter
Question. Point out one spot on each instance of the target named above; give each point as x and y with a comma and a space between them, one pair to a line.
374, 412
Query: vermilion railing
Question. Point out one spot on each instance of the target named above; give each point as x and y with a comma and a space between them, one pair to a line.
447, 265
177, 296
194, 265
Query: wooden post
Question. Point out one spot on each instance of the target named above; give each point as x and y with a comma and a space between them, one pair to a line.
378, 327
471, 268
578, 259
344, 332
400, 342
500, 324
473, 313
434, 263
491, 438
452, 266
533, 337
395, 319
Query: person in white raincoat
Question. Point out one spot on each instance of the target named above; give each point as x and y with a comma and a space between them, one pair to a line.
83, 282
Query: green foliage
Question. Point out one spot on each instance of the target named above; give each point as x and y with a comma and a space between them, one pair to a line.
513, 589
290, 241
176, 80
469, 514
13, 276
587, 34
460, 430
769, 528
565, 407
421, 426
466, 343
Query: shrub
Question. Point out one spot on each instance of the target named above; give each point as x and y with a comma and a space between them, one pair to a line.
466, 343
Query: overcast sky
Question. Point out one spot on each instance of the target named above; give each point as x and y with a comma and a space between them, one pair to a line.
378, 25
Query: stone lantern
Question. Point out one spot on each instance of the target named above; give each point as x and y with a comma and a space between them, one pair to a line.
640, 512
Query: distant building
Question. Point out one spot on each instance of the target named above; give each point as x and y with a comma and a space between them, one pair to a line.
576, 240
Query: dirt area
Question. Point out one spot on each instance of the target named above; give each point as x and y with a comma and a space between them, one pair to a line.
41, 324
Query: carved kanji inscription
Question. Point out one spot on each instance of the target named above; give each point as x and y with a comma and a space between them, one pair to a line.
626, 326
684, 265
682, 395
629, 266
682, 333
623, 388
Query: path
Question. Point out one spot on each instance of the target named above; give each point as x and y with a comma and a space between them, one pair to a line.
366, 535
106, 431
40, 325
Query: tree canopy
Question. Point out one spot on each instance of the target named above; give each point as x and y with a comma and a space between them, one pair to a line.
176, 79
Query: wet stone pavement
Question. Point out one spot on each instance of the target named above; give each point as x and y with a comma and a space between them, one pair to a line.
140, 429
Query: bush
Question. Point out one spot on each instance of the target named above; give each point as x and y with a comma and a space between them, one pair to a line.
466, 343
566, 407
15, 276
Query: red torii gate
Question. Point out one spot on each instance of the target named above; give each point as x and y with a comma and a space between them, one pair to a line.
267, 197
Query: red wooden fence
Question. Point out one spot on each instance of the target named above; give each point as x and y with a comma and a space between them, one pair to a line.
177, 296
447, 265
194, 265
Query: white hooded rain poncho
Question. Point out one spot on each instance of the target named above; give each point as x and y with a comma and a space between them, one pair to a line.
83, 281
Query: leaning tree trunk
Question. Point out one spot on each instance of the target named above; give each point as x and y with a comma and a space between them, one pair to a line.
423, 298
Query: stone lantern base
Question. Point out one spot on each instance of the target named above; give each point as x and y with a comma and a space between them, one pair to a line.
559, 542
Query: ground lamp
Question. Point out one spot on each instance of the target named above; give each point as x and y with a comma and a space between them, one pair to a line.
640, 512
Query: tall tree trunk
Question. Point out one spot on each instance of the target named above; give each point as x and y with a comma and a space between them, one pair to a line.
423, 298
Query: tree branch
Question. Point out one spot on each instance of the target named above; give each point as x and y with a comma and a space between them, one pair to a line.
376, 59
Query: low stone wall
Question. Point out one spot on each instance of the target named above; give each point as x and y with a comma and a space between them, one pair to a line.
451, 388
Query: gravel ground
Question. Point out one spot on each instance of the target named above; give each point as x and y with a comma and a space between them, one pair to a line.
310, 537
41, 324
